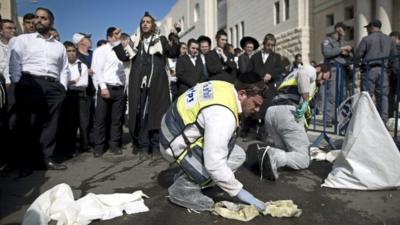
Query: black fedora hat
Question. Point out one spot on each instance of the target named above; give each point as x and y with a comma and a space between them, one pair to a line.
249, 39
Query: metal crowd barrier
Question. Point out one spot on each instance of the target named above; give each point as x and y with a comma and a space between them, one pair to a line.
346, 86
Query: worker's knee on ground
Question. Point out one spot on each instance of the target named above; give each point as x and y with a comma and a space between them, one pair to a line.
303, 161
236, 158
185, 193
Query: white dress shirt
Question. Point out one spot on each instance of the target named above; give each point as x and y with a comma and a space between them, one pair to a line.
4, 60
38, 56
81, 77
203, 58
264, 56
219, 124
146, 42
108, 69
193, 59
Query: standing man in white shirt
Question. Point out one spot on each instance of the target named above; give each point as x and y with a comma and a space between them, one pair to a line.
110, 75
75, 107
37, 65
7, 97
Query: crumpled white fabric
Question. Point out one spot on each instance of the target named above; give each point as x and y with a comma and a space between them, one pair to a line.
320, 155
58, 204
369, 159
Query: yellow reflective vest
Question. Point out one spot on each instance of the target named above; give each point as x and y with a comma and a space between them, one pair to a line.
184, 112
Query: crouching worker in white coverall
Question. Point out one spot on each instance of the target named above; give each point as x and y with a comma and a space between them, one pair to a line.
199, 132
286, 121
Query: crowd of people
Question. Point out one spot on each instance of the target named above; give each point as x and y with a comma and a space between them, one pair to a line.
183, 100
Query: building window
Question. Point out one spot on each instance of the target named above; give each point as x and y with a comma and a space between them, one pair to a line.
350, 34
196, 12
242, 23
287, 9
349, 13
230, 34
237, 36
183, 23
330, 21
277, 10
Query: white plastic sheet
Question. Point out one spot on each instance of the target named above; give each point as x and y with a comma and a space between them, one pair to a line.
58, 204
369, 159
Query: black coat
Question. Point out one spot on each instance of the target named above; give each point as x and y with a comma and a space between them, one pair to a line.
158, 92
219, 70
188, 74
273, 66
243, 61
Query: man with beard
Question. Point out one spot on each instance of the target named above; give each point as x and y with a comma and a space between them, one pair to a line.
199, 132
38, 65
148, 91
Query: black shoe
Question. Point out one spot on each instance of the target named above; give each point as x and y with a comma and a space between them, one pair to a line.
135, 150
55, 166
116, 151
97, 154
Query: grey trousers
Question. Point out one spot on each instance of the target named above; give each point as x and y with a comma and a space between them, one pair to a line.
188, 194
380, 92
331, 95
290, 138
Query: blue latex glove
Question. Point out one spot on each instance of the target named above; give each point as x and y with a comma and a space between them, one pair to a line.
301, 110
248, 198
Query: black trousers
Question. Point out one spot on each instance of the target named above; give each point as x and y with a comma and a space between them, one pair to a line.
38, 104
146, 140
74, 116
3, 121
109, 110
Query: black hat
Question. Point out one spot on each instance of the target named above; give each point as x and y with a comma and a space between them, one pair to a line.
374, 23
249, 78
342, 25
147, 14
204, 38
249, 39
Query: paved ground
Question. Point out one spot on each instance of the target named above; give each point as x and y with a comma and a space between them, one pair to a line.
128, 173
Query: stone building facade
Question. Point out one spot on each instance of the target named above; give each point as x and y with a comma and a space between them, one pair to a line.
299, 25
8, 10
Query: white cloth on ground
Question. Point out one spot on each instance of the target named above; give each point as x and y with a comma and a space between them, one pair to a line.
58, 204
320, 155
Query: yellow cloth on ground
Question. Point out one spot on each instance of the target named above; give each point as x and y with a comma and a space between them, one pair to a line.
241, 212
235, 211
282, 208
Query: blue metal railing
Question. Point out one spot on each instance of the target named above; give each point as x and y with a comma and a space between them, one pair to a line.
344, 89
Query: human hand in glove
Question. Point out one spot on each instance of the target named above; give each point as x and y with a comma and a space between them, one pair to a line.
301, 110
248, 198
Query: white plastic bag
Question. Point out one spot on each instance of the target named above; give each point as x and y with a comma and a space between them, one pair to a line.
369, 159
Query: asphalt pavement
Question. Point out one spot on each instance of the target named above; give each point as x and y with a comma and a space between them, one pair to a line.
128, 173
